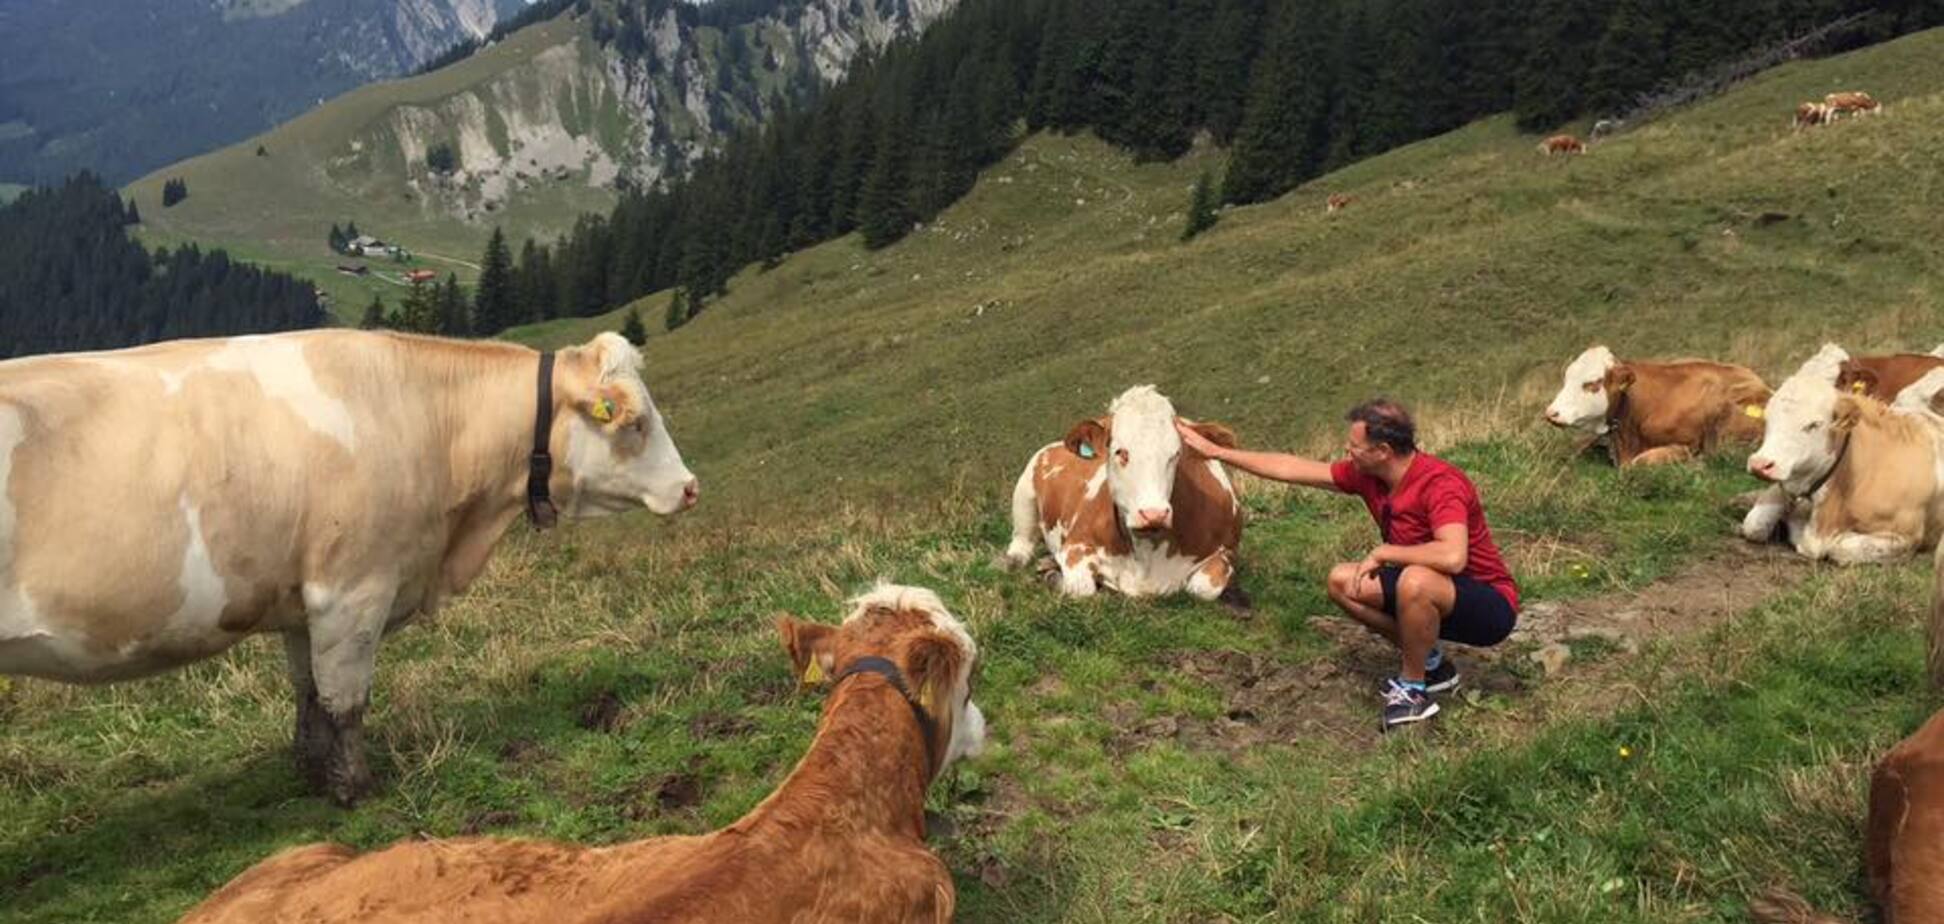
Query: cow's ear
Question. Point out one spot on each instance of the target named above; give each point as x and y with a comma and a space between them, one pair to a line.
1848, 411
932, 662
1087, 439
1619, 378
1219, 434
1855, 379
609, 406
812, 647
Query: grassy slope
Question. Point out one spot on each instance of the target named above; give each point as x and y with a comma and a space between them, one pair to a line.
276, 210
840, 387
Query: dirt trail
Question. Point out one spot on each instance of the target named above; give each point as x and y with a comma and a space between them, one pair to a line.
1335, 696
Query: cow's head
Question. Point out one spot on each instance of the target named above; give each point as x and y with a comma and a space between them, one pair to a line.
911, 628
1805, 424
1593, 380
1140, 449
614, 450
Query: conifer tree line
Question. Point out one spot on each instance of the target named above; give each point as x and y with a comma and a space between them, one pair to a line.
72, 279
1294, 88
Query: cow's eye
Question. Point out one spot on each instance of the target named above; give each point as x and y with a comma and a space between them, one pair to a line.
1811, 426
1592, 386
1120, 455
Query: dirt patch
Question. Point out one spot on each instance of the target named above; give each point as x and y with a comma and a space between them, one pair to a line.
664, 795
484, 821
1335, 697
601, 712
714, 725
520, 751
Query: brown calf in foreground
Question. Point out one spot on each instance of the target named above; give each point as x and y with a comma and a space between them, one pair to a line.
842, 839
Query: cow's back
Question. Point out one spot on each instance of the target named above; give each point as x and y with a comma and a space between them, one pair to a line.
1904, 836
163, 501
1694, 403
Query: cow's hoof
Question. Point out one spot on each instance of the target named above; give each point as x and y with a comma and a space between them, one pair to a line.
348, 781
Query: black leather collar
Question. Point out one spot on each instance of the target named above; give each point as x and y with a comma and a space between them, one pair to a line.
540, 507
871, 664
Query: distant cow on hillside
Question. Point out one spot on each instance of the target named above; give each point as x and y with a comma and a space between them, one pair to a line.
1807, 114
1562, 144
1853, 101
1337, 202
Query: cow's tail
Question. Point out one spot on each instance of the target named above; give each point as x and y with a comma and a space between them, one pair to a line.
1025, 518
1781, 906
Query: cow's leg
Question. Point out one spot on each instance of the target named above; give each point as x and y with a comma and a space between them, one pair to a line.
1868, 548
1770, 510
1211, 577
311, 743
1662, 455
345, 628
1025, 521
1077, 573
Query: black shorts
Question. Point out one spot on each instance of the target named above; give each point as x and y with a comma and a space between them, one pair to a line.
1480, 616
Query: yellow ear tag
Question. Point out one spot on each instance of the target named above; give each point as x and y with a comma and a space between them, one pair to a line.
925, 699
1753, 410
814, 673
1859, 386
603, 410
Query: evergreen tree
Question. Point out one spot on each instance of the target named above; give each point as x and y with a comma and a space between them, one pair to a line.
678, 309
884, 208
454, 316
174, 191
633, 330
133, 216
419, 312
1284, 130
494, 308
337, 239
374, 316
1201, 207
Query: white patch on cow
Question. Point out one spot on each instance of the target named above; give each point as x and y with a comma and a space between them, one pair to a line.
1582, 399
1770, 508
1202, 587
1939, 351
1798, 425
1920, 397
171, 381
1097, 481
18, 618
278, 365
1148, 569
203, 596
609, 478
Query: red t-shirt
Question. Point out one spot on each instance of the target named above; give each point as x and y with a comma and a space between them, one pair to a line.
1433, 493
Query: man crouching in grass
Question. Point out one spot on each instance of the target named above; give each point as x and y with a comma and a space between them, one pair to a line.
1437, 574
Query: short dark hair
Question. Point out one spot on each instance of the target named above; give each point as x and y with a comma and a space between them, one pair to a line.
1387, 424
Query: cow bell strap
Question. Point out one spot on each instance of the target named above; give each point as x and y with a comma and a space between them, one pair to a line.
540, 507
871, 664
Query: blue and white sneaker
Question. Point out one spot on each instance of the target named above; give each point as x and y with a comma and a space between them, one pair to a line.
1440, 679
1404, 705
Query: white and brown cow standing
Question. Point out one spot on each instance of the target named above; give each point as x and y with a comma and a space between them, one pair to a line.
1655, 412
162, 503
1853, 480
1122, 503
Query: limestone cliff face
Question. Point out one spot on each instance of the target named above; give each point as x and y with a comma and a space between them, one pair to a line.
633, 110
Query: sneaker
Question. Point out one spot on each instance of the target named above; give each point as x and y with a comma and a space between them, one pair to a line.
1404, 706
1440, 679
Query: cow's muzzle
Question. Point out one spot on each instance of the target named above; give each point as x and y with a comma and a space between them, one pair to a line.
1763, 469
1150, 520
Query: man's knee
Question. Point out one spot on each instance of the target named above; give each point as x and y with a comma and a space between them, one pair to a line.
1342, 580
1418, 584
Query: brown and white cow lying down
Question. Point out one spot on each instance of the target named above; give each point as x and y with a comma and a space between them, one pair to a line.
1562, 144
1885, 377
1853, 479
1121, 503
1654, 412
163, 503
842, 839
1903, 836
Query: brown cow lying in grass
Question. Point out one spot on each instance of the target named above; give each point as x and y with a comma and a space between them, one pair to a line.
1884, 377
843, 839
1562, 144
1655, 412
